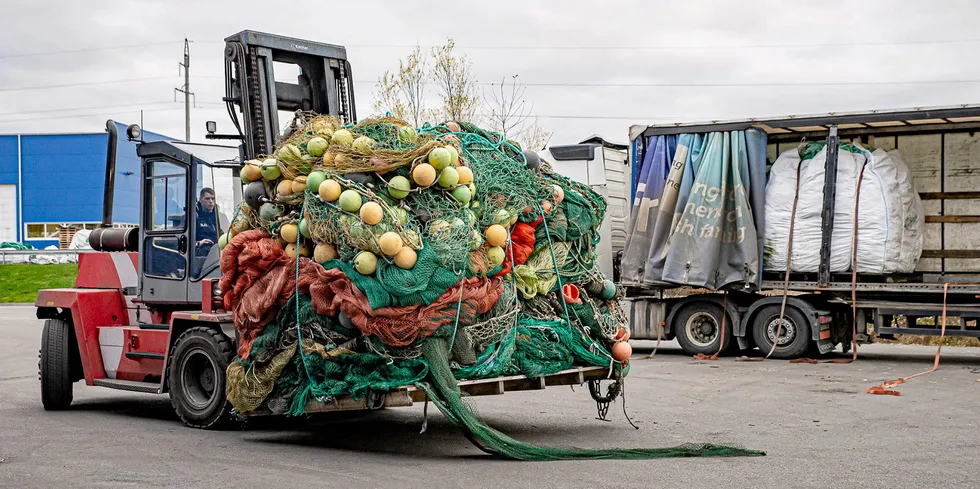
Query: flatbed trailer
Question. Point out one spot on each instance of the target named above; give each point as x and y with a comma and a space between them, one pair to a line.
941, 148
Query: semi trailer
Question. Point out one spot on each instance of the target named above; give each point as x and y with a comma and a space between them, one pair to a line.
825, 307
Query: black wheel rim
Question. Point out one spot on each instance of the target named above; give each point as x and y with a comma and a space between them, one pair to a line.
786, 329
198, 379
702, 329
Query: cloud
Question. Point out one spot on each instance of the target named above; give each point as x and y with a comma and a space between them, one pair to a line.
696, 43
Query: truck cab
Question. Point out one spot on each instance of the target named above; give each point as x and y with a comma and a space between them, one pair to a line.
190, 193
603, 166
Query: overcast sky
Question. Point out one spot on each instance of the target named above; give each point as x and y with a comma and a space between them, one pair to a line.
705, 59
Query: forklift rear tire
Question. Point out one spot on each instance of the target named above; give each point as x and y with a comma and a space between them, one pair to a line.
197, 377
697, 327
55, 365
794, 335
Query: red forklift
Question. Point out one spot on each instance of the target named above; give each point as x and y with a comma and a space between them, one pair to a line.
145, 313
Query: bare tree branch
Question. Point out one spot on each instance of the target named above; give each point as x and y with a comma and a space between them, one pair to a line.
403, 95
387, 96
507, 110
412, 80
534, 137
454, 76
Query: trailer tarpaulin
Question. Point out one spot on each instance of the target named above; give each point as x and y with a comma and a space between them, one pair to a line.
698, 225
645, 217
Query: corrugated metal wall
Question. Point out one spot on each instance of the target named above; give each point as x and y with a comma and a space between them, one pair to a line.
63, 178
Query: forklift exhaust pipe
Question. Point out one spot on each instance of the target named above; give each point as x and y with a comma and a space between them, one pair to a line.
110, 172
115, 239
106, 238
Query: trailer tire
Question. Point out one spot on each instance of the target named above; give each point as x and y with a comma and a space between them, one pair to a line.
696, 327
196, 374
796, 331
55, 365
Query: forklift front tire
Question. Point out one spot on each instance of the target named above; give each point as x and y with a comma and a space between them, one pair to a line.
55, 365
197, 377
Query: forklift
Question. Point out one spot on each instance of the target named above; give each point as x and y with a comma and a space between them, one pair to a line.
145, 313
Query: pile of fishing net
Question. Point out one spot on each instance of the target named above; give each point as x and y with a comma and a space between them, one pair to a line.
378, 255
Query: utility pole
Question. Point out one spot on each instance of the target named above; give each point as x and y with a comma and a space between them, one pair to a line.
186, 90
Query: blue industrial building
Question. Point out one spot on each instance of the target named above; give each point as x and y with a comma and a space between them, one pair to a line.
52, 180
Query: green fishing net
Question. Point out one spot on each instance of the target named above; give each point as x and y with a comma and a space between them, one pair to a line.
422, 291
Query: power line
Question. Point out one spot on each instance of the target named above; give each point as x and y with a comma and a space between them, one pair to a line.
669, 47
547, 48
557, 116
602, 117
645, 85
86, 50
707, 85
86, 108
78, 116
83, 84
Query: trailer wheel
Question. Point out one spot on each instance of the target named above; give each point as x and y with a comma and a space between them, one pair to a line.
197, 377
55, 365
697, 328
794, 333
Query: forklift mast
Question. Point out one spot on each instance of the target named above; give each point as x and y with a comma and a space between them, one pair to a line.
324, 85
176, 256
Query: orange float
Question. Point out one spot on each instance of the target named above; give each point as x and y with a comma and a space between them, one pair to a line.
621, 351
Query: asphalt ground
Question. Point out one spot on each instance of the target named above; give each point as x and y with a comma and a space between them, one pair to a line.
817, 424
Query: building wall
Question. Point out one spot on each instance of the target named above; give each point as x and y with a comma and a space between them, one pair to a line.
9, 216
63, 181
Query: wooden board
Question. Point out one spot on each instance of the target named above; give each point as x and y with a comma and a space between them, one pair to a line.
923, 156
962, 174
501, 385
408, 395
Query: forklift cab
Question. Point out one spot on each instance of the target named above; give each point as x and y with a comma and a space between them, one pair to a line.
189, 194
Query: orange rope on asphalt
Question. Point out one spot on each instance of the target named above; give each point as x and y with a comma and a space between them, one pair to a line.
886, 387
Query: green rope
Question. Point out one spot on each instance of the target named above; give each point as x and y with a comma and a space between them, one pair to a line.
443, 391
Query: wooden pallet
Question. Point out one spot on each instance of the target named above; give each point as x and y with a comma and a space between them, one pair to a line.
407, 396
65, 235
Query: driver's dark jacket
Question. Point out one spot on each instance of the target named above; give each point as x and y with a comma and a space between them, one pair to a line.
207, 224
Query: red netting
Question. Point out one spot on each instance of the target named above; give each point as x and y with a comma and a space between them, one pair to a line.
522, 240
259, 286
402, 326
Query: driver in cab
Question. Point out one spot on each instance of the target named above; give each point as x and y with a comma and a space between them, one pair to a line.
206, 233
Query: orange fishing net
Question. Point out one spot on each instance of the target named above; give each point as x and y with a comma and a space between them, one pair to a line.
258, 286
522, 241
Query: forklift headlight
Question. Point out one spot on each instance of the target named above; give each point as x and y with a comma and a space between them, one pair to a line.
133, 132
